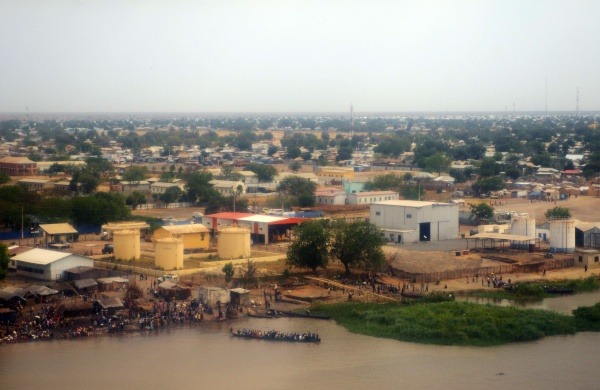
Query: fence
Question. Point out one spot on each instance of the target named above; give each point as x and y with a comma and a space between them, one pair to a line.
549, 264
176, 205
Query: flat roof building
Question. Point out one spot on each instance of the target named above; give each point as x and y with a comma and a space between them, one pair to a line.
407, 221
48, 265
18, 166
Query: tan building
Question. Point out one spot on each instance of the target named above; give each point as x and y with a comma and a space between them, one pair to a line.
228, 187
589, 258
326, 175
161, 188
18, 166
36, 184
193, 235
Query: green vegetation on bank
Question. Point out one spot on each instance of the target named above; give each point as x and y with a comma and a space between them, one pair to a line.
458, 323
535, 290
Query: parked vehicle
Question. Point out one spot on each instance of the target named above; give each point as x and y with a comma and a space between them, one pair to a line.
108, 248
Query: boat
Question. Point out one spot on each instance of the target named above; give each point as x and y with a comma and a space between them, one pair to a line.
413, 294
307, 314
277, 336
557, 290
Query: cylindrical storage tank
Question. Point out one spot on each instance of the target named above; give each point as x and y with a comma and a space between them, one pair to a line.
168, 253
522, 226
127, 244
562, 236
233, 243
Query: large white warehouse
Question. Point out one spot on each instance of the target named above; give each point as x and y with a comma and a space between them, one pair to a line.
407, 221
48, 265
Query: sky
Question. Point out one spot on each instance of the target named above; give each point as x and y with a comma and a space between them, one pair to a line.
298, 56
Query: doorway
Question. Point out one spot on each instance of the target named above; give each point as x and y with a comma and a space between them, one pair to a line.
425, 231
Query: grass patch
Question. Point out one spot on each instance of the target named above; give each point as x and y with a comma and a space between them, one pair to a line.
452, 323
535, 290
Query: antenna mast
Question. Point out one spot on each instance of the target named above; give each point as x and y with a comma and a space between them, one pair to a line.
351, 120
546, 95
577, 100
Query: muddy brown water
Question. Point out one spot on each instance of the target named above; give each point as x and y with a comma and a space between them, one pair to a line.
206, 357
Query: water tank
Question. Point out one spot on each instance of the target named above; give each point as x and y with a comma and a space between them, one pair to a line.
127, 244
562, 236
523, 226
233, 243
168, 253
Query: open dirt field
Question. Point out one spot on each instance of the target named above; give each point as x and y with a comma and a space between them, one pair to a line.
584, 208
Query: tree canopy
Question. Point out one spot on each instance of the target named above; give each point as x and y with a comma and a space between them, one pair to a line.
303, 190
135, 174
357, 244
482, 211
558, 213
4, 259
310, 247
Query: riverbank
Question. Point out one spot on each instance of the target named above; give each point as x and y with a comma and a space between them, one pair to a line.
458, 323
540, 289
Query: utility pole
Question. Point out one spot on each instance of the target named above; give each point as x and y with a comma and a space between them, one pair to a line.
22, 223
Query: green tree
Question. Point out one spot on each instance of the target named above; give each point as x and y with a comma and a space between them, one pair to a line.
489, 167
558, 213
4, 259
295, 166
264, 172
437, 162
302, 190
135, 174
198, 188
310, 248
228, 173
482, 211
136, 198
293, 152
344, 153
488, 184
272, 150
229, 271
4, 178
171, 195
357, 244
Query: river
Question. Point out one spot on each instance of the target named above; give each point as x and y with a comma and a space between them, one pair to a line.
205, 356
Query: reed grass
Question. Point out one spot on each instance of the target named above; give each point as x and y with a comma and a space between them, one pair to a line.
449, 323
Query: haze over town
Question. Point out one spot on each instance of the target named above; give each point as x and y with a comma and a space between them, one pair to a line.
287, 56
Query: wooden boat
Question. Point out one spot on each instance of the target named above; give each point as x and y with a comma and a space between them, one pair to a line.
267, 337
303, 315
557, 290
411, 294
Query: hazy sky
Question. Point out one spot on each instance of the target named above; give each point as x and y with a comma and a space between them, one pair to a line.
298, 56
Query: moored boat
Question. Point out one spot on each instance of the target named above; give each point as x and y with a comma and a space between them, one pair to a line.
276, 336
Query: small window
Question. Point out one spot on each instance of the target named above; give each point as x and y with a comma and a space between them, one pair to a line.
596, 259
409, 216
377, 213
580, 259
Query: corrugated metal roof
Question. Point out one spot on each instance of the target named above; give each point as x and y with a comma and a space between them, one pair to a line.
16, 160
411, 203
585, 226
42, 256
229, 215
58, 228
499, 236
186, 229
262, 218
85, 283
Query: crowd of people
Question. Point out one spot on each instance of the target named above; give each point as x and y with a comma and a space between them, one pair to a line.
276, 335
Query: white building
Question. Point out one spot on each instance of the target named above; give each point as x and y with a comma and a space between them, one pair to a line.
48, 265
407, 221
161, 188
330, 196
368, 197
228, 187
